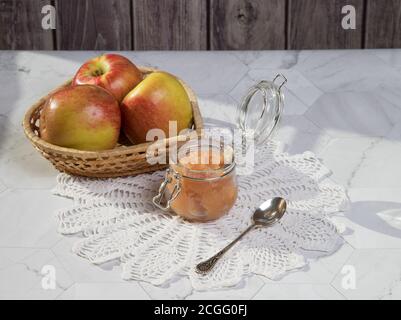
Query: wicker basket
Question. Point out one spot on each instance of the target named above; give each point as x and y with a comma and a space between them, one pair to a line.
124, 160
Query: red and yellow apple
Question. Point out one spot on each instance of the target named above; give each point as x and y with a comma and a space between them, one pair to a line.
81, 117
113, 72
158, 99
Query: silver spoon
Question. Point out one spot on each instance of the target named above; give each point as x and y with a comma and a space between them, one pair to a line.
268, 213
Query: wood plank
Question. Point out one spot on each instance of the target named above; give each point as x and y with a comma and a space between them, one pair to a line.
383, 24
94, 25
170, 24
21, 26
247, 24
316, 24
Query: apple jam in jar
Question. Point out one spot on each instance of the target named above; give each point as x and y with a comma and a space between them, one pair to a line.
201, 185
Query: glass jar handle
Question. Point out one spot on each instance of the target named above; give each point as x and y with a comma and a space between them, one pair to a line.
279, 107
282, 83
157, 200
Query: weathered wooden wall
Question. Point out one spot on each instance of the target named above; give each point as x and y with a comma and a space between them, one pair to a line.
243, 24
383, 20
199, 24
93, 24
169, 24
20, 25
317, 23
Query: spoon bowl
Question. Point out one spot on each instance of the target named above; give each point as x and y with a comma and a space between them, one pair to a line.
269, 212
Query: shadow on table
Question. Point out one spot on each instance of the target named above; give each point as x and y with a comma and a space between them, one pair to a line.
379, 216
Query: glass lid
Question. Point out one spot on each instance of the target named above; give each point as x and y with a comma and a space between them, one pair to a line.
261, 108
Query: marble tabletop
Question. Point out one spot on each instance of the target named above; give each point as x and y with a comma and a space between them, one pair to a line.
345, 106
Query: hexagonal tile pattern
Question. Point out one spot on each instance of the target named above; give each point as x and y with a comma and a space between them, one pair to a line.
371, 274
177, 289
317, 271
343, 71
274, 59
391, 57
243, 291
345, 157
335, 262
2, 187
395, 133
21, 166
360, 162
80, 269
391, 93
8, 134
27, 218
277, 59
298, 291
344, 114
105, 291
378, 170
247, 57
24, 274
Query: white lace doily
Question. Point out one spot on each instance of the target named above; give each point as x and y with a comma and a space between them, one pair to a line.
119, 221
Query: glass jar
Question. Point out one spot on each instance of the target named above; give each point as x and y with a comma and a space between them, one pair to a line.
201, 185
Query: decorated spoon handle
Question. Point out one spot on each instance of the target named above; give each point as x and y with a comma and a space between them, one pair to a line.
205, 266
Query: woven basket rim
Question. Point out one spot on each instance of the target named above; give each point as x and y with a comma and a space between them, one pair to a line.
120, 150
